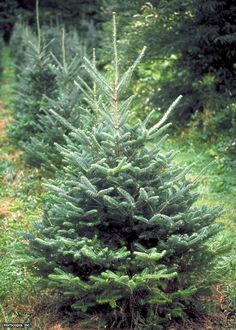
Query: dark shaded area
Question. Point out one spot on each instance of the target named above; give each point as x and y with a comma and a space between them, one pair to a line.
8, 14
70, 12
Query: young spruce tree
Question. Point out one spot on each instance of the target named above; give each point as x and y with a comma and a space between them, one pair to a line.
36, 79
41, 148
46, 73
120, 236
18, 45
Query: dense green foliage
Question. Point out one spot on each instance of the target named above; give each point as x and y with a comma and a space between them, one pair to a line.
41, 148
120, 234
36, 80
46, 70
190, 50
19, 42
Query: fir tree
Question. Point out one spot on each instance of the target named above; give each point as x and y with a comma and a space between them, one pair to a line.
120, 235
36, 80
41, 148
19, 43
47, 69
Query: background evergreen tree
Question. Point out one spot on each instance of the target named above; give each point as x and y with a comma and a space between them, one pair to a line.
36, 80
47, 66
41, 148
120, 235
18, 44
51, 36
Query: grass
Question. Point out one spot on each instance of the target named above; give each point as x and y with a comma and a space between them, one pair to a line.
217, 187
20, 198
19, 207
217, 178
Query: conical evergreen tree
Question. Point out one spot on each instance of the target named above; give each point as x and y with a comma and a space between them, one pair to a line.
18, 45
46, 80
120, 235
36, 79
41, 149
